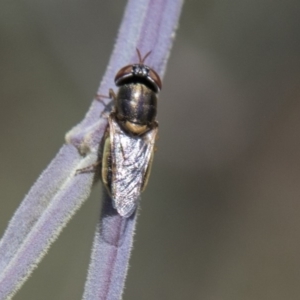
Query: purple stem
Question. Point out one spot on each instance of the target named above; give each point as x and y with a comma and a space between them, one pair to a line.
33, 241
147, 25
58, 193
110, 255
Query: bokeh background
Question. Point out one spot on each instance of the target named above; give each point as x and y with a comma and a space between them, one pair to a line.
220, 218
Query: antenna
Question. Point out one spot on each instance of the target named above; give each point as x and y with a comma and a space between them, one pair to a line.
142, 60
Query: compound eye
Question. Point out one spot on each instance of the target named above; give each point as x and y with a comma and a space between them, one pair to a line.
123, 73
155, 78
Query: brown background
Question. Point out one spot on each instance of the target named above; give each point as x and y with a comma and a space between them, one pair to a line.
221, 216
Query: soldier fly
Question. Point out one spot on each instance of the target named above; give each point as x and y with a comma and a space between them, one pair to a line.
130, 136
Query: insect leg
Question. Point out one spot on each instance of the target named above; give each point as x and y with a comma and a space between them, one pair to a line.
111, 95
148, 170
89, 169
107, 106
94, 167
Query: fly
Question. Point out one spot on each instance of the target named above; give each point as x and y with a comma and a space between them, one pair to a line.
130, 136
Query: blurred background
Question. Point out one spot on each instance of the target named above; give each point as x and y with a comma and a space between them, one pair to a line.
220, 218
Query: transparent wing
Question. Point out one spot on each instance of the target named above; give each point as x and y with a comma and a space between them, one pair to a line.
130, 158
